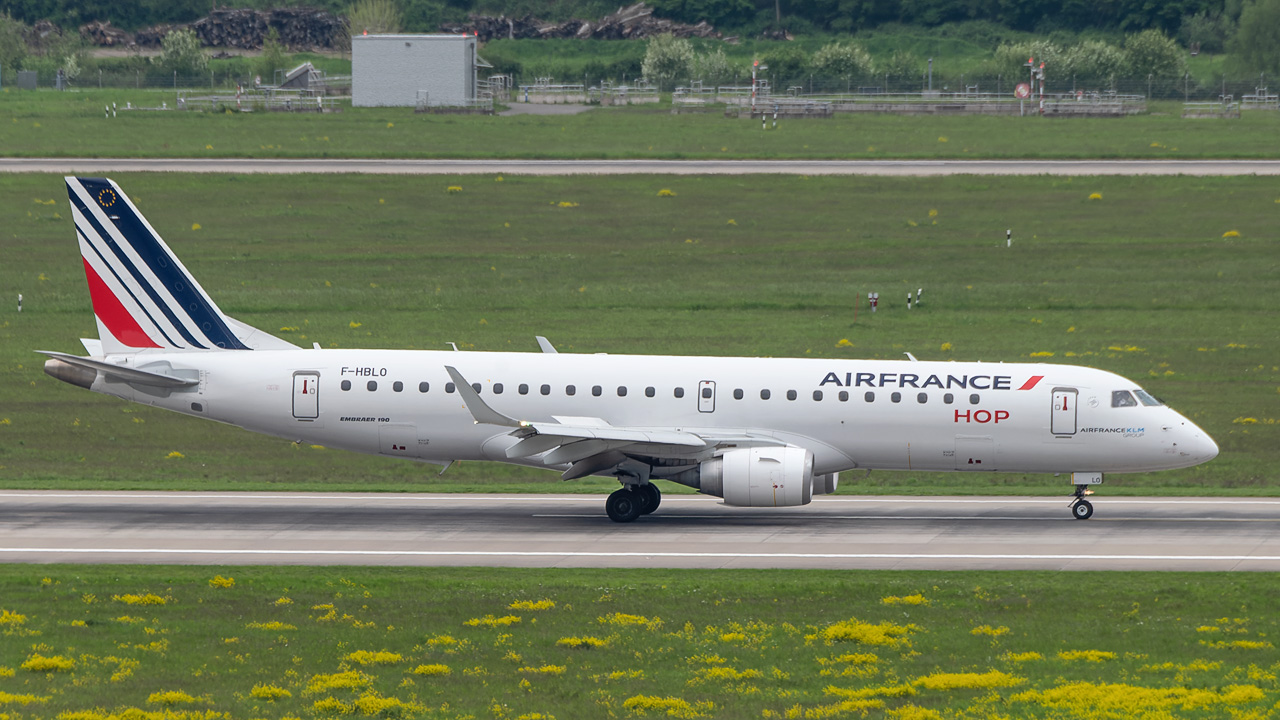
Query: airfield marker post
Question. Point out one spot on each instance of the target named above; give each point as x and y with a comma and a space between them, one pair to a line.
908, 299
19, 302
1008, 238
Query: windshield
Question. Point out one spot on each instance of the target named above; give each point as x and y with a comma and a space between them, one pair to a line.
1122, 398
1146, 398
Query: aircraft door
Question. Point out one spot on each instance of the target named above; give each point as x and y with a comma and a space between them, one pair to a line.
306, 395
707, 396
1063, 419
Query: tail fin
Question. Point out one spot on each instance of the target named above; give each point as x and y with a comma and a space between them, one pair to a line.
143, 297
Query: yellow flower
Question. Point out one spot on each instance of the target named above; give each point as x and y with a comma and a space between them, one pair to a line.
453, 189
989, 631
170, 697
433, 669
270, 693
933, 213
1042, 353
353, 324
391, 125
208, 147
175, 455
917, 599
195, 226
1231, 233
583, 643
942, 139
844, 342
1094, 656
1095, 196
666, 193
222, 582
532, 605
946, 347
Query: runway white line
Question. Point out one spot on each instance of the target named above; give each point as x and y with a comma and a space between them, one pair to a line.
581, 554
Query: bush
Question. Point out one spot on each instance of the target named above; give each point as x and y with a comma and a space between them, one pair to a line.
13, 49
1151, 52
1092, 60
714, 68
667, 60
1257, 43
838, 60
180, 52
273, 57
787, 64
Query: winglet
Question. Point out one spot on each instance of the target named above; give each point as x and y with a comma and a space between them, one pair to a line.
546, 345
482, 413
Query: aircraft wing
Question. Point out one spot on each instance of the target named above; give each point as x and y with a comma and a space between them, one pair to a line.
591, 445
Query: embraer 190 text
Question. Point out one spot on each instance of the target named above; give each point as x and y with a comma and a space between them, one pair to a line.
756, 432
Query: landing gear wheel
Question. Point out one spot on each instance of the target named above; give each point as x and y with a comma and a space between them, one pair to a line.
1082, 510
651, 498
623, 505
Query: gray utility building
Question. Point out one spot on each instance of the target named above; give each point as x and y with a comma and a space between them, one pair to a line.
413, 70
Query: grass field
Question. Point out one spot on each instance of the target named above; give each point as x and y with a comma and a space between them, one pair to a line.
97, 642
72, 125
1169, 281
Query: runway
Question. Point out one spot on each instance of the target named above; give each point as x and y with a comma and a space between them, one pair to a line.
844, 532
903, 168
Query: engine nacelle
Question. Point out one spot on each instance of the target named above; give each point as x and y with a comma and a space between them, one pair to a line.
761, 477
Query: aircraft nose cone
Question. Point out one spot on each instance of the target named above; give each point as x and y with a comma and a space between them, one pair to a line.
1205, 449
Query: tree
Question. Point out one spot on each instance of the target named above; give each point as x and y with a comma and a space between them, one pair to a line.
273, 57
838, 60
667, 59
13, 49
374, 17
1257, 43
713, 68
1092, 60
180, 52
787, 63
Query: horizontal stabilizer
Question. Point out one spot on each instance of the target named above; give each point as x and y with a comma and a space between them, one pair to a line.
123, 374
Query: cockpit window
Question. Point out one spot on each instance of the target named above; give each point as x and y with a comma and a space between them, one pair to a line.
1145, 398
1122, 398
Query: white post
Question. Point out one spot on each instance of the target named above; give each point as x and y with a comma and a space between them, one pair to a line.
19, 302
1008, 238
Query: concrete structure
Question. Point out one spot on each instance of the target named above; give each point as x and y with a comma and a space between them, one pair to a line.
412, 70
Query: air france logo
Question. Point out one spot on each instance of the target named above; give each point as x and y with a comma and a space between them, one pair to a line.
106, 197
912, 380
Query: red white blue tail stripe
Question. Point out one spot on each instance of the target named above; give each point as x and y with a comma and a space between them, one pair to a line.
142, 294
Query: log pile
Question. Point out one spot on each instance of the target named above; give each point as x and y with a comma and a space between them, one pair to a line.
103, 35
300, 28
631, 22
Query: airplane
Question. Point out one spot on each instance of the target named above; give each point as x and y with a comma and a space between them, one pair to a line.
756, 432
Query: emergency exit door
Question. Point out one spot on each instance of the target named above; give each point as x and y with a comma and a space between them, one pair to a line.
1063, 418
306, 395
707, 396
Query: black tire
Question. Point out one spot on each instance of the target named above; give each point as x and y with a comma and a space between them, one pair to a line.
1082, 510
651, 498
623, 505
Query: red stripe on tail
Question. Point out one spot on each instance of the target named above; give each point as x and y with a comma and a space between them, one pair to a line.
1031, 382
113, 314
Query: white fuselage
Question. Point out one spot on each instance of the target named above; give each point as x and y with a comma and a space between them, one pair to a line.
874, 414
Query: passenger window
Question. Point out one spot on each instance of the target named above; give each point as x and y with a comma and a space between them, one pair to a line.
948, 398
596, 390
497, 388
346, 384
523, 389
449, 388
570, 390
1122, 398
737, 394
791, 394
622, 391
896, 397
817, 394
679, 392
844, 396
397, 386
922, 398
476, 387
706, 393
372, 385
765, 394
545, 389
423, 387
869, 396
974, 399
650, 391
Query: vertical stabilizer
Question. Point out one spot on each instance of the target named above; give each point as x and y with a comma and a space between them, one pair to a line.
143, 296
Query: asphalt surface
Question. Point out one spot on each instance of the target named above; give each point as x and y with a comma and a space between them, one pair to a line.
940, 533
906, 168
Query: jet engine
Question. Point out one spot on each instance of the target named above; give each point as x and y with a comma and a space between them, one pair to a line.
760, 477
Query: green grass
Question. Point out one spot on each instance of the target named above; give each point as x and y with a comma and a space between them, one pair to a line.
730, 645
757, 266
72, 125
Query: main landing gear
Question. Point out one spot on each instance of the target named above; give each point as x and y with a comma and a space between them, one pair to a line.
632, 501
1082, 509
